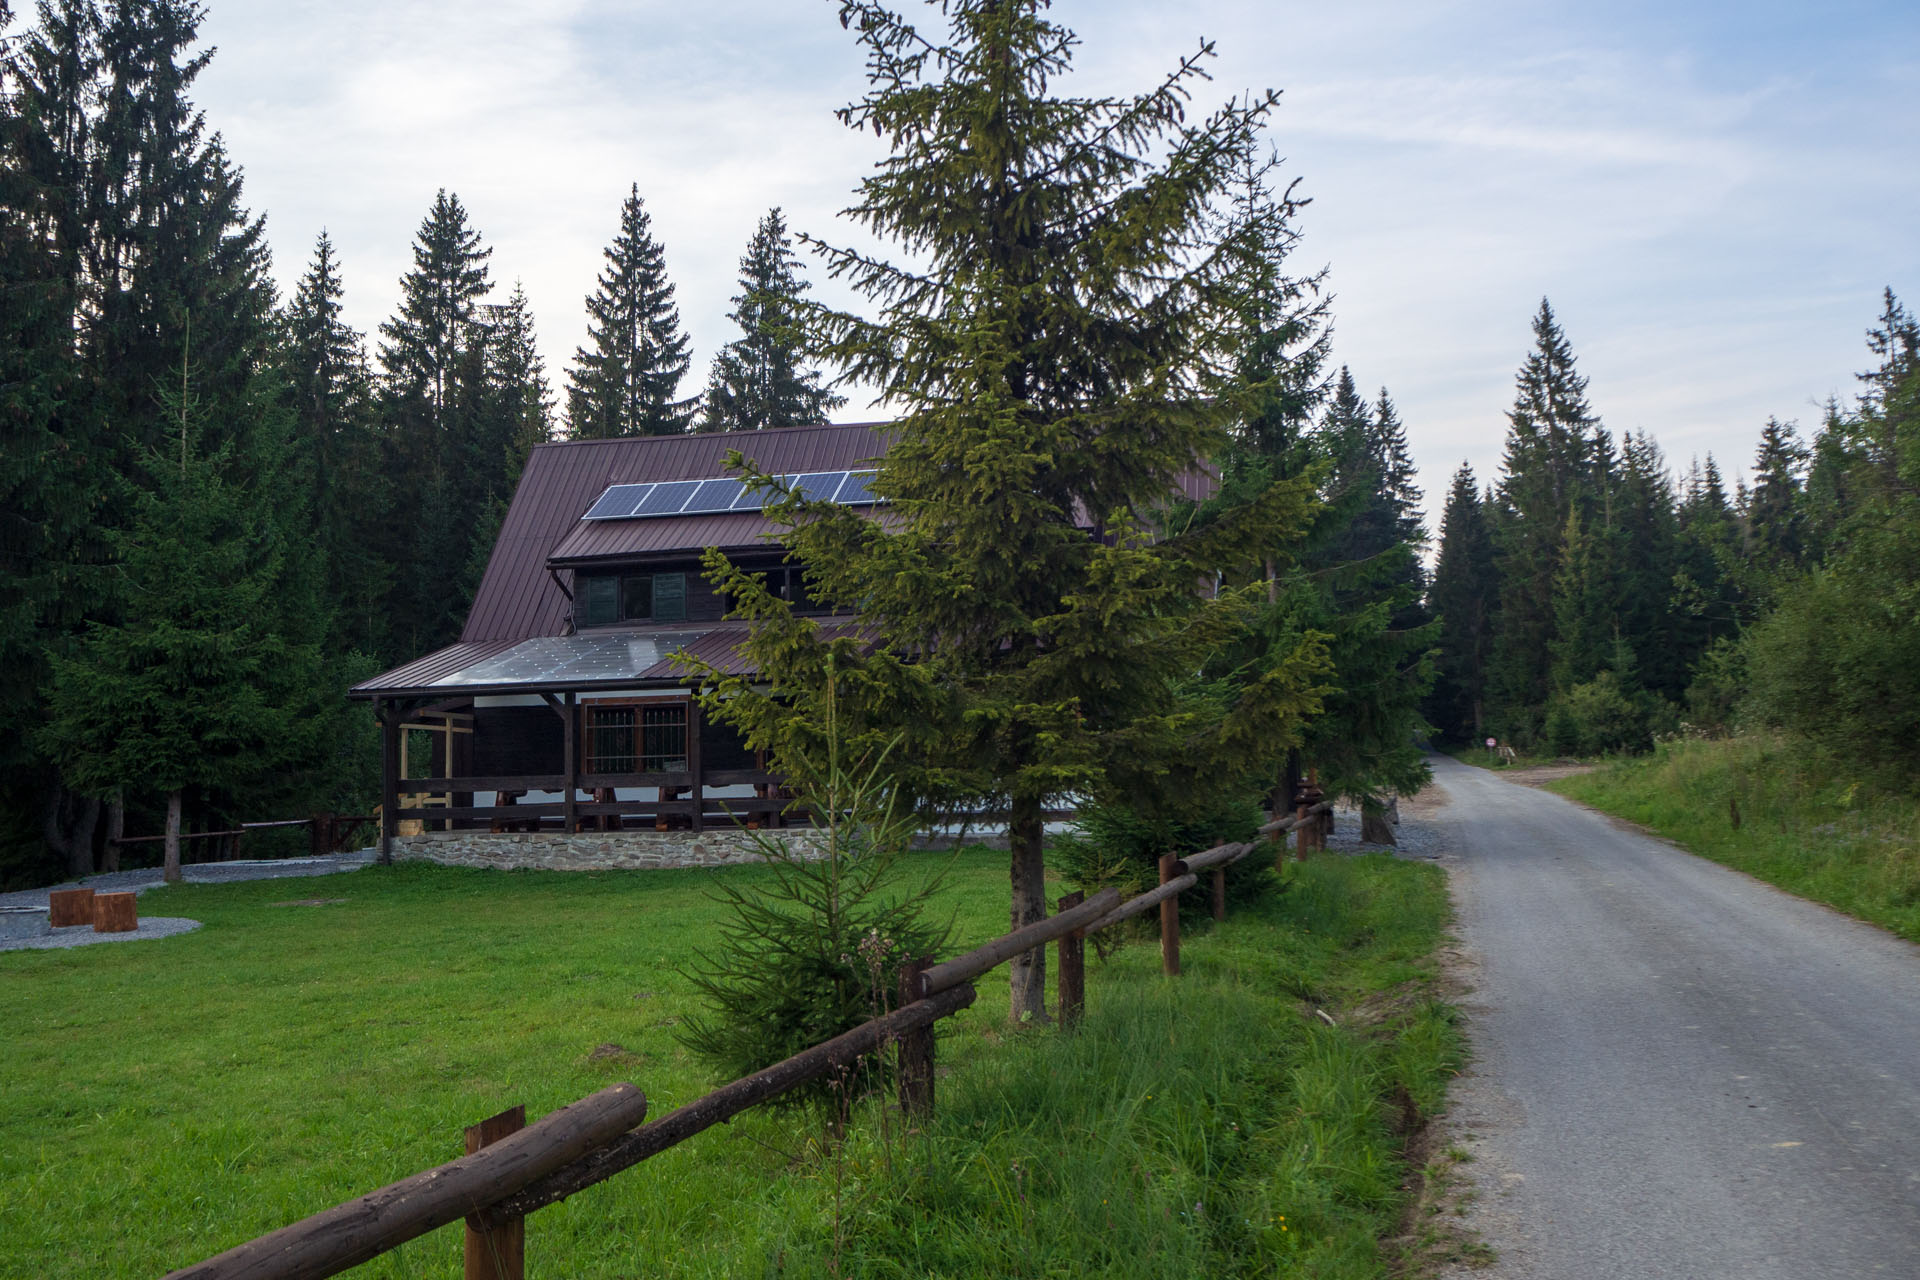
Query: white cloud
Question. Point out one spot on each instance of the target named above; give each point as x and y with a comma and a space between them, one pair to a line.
1711, 202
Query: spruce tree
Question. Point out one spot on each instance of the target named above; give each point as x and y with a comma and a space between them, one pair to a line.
324, 365
1360, 583
516, 413
1050, 352
624, 382
1548, 472
193, 685
433, 363
761, 379
1463, 597
1776, 539
1644, 561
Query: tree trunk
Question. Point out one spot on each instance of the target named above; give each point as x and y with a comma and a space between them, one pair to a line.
1025, 841
67, 827
116, 827
171, 871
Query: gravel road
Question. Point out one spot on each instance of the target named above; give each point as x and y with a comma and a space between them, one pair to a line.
1681, 1073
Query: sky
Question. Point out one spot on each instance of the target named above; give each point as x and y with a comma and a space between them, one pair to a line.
1712, 195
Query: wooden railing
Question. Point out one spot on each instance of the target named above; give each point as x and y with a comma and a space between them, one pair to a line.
509, 1174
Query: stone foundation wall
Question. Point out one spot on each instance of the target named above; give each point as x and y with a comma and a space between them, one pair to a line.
597, 850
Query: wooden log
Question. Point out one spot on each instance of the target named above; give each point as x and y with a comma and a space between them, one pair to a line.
359, 1230
1217, 856
1145, 902
1072, 966
68, 907
976, 962
115, 913
496, 1253
916, 1048
1219, 893
728, 1101
1170, 917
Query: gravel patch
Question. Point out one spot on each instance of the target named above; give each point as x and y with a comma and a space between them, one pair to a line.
81, 935
198, 873
1421, 839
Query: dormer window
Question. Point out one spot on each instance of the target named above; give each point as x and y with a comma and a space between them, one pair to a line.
633, 597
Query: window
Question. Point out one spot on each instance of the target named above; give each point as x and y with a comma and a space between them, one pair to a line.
636, 737
639, 597
601, 601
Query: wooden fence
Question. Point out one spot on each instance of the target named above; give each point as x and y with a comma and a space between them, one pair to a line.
510, 1171
326, 833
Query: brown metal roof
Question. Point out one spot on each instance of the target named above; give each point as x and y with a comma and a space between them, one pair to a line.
433, 668
518, 598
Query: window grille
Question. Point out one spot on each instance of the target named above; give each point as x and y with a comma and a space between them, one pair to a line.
648, 737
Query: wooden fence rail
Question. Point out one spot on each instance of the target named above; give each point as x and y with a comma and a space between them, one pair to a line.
509, 1174
363, 1229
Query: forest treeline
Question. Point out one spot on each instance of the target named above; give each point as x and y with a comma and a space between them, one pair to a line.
1590, 600
220, 504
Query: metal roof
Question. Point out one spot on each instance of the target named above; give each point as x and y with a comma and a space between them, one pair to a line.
518, 598
597, 659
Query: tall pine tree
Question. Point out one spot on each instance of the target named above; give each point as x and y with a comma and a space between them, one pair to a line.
626, 380
324, 365
761, 379
1548, 472
1464, 597
433, 364
1051, 351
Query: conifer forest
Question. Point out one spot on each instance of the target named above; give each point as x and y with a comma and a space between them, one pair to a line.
220, 504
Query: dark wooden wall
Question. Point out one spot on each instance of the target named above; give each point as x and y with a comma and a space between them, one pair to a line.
514, 740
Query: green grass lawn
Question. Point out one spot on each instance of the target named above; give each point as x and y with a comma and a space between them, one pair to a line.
1774, 809
163, 1101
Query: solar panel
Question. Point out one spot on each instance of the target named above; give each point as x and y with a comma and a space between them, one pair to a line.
726, 493
713, 495
667, 499
818, 486
619, 501
854, 492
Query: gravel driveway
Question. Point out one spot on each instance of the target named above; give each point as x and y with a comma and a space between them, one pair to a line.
1681, 1073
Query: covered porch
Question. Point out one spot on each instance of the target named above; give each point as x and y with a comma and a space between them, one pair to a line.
566, 734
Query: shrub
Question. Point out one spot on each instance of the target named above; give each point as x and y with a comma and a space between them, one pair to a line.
817, 951
1600, 717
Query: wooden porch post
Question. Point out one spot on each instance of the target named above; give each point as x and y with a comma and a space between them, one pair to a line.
695, 765
389, 717
570, 721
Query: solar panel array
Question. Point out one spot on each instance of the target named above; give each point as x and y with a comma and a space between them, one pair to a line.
709, 497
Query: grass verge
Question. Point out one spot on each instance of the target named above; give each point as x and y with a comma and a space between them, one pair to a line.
163, 1101
1778, 811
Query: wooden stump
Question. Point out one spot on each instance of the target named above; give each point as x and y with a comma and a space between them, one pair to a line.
67, 907
114, 913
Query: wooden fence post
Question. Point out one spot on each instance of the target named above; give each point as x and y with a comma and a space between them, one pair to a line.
499, 1253
1072, 966
916, 1048
1219, 893
1302, 834
1170, 918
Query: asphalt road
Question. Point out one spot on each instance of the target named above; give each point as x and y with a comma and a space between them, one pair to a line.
1680, 1073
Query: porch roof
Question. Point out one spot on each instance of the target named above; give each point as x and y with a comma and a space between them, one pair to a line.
611, 658
598, 659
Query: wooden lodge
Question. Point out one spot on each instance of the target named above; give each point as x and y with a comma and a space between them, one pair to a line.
562, 707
